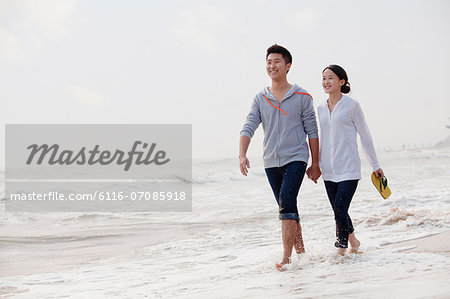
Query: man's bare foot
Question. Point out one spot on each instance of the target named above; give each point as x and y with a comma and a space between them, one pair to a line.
282, 266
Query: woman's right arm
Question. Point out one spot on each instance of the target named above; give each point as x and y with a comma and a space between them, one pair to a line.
366, 137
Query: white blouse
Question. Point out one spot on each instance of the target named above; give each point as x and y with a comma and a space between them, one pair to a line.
339, 159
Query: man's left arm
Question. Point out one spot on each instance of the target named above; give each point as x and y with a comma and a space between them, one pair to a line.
310, 126
313, 171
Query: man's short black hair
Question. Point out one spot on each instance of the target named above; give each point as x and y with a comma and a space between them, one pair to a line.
280, 50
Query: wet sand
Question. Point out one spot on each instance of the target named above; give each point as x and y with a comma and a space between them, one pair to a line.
437, 243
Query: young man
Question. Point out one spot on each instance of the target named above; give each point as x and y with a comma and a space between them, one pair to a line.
287, 115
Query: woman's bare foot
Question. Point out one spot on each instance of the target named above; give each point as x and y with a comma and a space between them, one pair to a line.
298, 242
341, 251
354, 243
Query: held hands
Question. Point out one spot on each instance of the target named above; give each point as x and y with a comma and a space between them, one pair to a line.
313, 173
243, 165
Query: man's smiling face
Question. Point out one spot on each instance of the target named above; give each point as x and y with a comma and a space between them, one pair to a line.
276, 67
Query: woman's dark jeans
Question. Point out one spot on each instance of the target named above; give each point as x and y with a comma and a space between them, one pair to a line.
340, 196
285, 182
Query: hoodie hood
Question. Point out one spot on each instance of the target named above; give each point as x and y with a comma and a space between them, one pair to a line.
294, 89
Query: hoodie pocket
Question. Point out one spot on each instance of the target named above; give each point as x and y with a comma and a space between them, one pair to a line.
289, 141
296, 135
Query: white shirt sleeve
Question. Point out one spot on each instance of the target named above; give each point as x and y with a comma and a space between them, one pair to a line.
366, 138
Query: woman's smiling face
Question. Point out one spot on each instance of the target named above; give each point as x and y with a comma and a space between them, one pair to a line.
331, 82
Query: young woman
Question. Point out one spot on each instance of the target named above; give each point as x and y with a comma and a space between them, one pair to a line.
341, 118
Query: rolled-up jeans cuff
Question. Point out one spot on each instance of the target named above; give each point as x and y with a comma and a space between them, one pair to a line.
293, 216
339, 245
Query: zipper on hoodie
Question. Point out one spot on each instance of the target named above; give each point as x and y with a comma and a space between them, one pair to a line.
278, 130
279, 137
278, 122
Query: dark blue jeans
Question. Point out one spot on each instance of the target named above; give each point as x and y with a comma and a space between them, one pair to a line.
285, 182
340, 196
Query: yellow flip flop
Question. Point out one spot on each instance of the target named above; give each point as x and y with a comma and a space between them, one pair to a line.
382, 185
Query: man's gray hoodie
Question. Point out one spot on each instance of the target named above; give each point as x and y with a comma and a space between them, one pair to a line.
285, 125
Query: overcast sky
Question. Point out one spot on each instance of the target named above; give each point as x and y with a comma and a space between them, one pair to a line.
202, 62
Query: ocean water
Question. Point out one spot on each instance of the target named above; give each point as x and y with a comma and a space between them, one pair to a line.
228, 245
